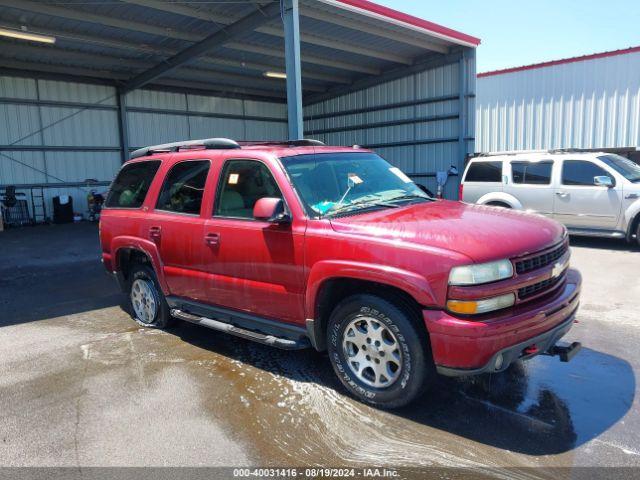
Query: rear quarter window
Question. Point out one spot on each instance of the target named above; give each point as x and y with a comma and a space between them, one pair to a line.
130, 187
484, 172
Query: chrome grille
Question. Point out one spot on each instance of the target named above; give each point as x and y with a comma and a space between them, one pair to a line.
536, 288
539, 261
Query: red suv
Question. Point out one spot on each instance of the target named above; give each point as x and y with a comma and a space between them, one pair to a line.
297, 244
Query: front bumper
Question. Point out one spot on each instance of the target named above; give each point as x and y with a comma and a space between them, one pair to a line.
469, 347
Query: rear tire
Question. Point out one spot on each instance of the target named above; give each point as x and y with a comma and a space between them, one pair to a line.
148, 306
638, 234
377, 351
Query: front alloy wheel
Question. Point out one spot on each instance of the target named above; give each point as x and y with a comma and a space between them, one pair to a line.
372, 352
379, 350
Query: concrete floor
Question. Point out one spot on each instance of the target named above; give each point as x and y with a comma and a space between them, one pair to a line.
82, 385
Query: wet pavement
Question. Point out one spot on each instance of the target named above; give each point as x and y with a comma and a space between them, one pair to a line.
82, 385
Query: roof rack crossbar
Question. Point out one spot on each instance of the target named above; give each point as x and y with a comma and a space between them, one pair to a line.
207, 143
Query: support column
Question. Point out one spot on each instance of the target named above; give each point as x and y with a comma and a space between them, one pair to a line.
291, 19
463, 110
123, 127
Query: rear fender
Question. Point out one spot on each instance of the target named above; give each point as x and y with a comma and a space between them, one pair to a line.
413, 284
501, 197
147, 247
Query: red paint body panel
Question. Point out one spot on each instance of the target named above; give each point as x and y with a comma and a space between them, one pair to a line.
277, 271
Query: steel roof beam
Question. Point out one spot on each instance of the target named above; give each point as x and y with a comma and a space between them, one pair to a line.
106, 62
12, 67
235, 31
273, 52
274, 31
305, 11
82, 38
87, 17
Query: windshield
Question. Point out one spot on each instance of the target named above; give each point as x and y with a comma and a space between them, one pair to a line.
625, 167
329, 183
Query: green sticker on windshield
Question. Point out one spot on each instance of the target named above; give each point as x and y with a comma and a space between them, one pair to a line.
323, 207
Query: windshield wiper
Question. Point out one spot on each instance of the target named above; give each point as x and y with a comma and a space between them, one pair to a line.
362, 204
410, 196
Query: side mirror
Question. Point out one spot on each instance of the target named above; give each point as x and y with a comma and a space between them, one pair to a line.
270, 210
603, 181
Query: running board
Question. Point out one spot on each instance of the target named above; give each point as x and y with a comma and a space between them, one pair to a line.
587, 232
279, 342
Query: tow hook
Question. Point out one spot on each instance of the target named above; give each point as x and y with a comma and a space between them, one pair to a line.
566, 353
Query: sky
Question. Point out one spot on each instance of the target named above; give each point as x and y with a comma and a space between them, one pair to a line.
515, 33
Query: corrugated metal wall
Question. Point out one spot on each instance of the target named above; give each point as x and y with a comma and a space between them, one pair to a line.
587, 104
413, 122
68, 132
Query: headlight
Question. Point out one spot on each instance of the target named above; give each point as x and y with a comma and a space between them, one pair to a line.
481, 273
474, 307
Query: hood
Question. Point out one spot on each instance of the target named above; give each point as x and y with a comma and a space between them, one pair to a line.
481, 233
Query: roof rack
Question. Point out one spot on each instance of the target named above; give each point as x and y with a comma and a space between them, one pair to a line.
207, 143
304, 142
549, 151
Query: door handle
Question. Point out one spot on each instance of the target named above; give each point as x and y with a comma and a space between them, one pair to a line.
154, 232
562, 194
212, 239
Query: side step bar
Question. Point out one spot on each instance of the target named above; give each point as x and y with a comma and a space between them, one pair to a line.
279, 342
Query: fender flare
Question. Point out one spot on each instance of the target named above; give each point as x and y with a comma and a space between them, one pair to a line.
503, 197
149, 248
412, 283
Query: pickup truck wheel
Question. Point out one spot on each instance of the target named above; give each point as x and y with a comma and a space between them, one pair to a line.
377, 352
148, 305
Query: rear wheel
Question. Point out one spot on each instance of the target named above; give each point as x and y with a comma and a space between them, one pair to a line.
377, 351
638, 234
148, 305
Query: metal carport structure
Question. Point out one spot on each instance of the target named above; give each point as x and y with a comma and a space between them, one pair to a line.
117, 75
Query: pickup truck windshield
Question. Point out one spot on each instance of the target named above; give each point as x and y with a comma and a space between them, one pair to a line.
625, 167
332, 183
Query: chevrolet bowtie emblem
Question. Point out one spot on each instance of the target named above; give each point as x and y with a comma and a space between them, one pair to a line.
558, 268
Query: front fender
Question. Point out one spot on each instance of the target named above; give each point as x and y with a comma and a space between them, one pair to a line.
415, 285
149, 248
503, 197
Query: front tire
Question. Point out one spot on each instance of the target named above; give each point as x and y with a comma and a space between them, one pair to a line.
148, 306
377, 352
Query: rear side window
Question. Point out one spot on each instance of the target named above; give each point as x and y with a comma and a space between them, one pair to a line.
581, 172
183, 188
130, 187
484, 172
531, 173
